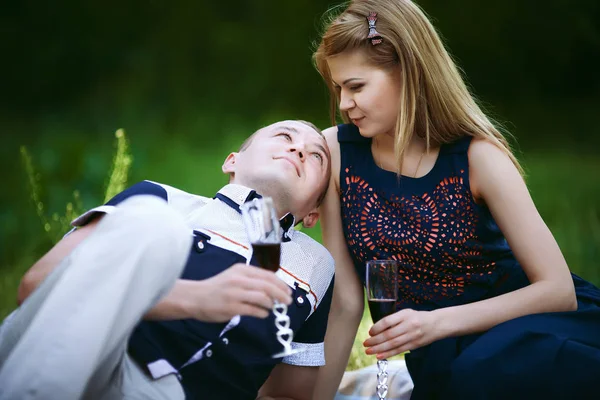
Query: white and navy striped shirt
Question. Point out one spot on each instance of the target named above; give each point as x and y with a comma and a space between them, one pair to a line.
207, 356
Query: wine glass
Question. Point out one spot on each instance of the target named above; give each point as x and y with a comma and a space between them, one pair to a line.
382, 294
264, 233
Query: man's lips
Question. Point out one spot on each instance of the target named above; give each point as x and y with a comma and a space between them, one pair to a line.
291, 161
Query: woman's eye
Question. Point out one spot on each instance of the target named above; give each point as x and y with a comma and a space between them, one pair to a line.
318, 157
287, 136
356, 87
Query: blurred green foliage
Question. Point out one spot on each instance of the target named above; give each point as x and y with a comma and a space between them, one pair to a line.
190, 80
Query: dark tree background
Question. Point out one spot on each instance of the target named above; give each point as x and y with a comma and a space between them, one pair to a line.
188, 79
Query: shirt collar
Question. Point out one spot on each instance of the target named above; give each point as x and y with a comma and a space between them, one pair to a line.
235, 195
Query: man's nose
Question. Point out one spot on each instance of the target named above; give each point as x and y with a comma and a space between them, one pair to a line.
299, 150
346, 101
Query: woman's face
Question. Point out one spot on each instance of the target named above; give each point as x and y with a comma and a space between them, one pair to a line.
370, 95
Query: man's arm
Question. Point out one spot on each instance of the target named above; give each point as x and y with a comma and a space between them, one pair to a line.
86, 225
42, 268
241, 289
289, 382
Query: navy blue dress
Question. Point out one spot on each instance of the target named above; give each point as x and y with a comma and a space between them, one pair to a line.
451, 252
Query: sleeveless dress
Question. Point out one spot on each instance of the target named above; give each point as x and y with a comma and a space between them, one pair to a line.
451, 252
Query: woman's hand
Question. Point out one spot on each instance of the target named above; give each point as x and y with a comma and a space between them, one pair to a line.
402, 331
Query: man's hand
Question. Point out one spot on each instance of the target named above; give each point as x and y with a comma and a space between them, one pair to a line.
241, 289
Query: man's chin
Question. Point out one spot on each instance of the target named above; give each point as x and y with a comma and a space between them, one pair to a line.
274, 184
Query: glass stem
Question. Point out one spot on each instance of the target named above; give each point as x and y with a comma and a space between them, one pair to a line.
382, 378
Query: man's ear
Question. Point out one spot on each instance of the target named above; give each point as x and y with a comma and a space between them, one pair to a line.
311, 218
229, 164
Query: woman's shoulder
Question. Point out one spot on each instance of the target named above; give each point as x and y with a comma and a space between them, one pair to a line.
490, 167
485, 153
331, 137
349, 133
478, 149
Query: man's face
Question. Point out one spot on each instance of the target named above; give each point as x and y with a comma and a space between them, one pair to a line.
288, 161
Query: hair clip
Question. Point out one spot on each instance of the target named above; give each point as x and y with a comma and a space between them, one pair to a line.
373, 36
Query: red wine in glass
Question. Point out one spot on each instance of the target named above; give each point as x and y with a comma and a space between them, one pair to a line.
381, 308
382, 292
264, 233
267, 255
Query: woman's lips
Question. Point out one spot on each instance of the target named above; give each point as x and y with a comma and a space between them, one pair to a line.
357, 121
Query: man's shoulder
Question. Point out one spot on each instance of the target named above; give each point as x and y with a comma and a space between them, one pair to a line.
175, 193
311, 248
181, 200
309, 265
310, 257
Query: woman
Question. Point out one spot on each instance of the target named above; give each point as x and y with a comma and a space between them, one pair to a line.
487, 304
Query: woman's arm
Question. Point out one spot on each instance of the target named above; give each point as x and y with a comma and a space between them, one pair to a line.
497, 182
347, 303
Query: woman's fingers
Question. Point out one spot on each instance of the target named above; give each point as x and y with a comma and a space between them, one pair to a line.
389, 321
396, 351
393, 331
397, 341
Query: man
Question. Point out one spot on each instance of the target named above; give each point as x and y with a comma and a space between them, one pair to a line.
79, 333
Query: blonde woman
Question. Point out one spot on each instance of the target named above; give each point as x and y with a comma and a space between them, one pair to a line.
487, 305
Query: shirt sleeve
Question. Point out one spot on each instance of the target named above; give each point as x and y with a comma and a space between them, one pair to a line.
311, 335
140, 188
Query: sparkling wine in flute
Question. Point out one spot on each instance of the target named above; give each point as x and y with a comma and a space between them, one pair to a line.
267, 255
381, 308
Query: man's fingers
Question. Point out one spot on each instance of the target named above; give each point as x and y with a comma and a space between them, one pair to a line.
257, 298
250, 278
252, 311
262, 273
272, 286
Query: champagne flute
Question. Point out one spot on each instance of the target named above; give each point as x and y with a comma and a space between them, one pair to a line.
264, 232
382, 294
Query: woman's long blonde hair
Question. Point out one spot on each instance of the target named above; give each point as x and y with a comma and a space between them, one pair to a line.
435, 102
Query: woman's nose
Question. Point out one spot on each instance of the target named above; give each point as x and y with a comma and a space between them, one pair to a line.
346, 101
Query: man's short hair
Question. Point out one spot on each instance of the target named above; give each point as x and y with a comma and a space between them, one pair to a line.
248, 140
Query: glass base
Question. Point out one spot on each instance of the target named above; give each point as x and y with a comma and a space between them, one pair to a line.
286, 353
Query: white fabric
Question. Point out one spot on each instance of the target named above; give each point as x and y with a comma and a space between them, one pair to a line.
68, 339
362, 384
312, 356
161, 368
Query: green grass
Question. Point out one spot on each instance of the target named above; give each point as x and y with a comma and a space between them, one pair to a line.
565, 187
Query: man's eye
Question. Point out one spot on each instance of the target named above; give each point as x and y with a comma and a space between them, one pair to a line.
318, 157
287, 136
